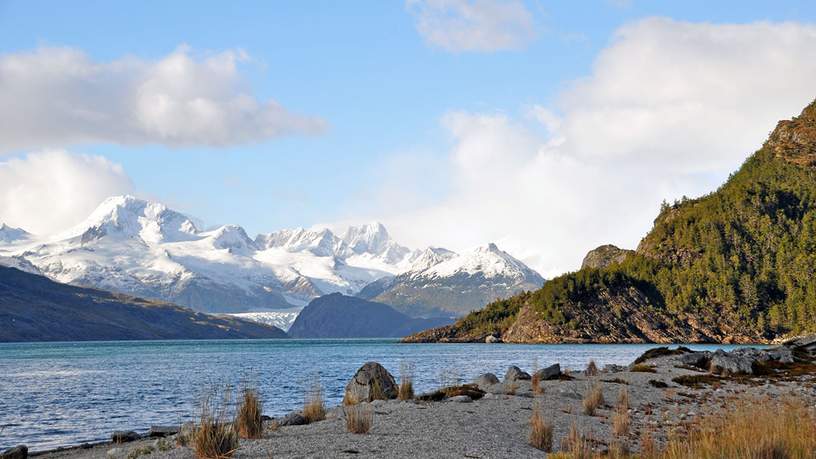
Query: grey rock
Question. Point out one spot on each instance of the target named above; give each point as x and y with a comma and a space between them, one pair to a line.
163, 431
486, 380
731, 363
372, 381
515, 373
125, 436
612, 368
551, 372
17, 452
461, 399
491, 339
780, 354
696, 359
293, 419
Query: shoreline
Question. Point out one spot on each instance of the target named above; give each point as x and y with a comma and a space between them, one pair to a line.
395, 420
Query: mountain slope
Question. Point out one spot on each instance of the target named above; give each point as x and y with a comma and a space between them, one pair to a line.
34, 308
340, 316
444, 283
735, 265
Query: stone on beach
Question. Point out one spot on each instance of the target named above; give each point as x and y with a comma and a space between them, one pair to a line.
551, 372
125, 436
486, 380
163, 431
17, 452
371, 382
293, 419
515, 373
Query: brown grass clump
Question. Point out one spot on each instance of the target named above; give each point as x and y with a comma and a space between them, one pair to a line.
359, 418
648, 447
753, 429
313, 408
593, 399
575, 445
591, 369
623, 399
541, 431
643, 368
406, 386
214, 437
620, 423
510, 387
535, 384
248, 420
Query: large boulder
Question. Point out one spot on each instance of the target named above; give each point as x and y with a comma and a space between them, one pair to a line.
486, 380
371, 382
125, 436
18, 452
515, 373
732, 363
551, 372
294, 418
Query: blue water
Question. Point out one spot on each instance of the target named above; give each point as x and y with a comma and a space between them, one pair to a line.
59, 394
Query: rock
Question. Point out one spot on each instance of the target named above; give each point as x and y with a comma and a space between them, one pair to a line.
293, 419
780, 354
612, 368
18, 452
603, 256
486, 380
461, 399
492, 339
125, 436
696, 359
515, 373
371, 382
551, 372
731, 363
266, 418
163, 431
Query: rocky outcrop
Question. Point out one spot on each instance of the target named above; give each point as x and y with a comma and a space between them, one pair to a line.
795, 140
604, 256
371, 382
515, 373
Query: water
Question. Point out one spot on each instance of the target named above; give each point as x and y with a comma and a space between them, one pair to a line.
59, 394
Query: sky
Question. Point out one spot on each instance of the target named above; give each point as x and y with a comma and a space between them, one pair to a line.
547, 127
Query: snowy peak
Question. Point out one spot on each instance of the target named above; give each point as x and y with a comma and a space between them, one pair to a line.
319, 242
130, 217
373, 239
432, 256
489, 261
232, 238
10, 234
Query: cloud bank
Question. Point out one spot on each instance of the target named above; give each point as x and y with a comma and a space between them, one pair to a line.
49, 191
52, 97
669, 109
473, 25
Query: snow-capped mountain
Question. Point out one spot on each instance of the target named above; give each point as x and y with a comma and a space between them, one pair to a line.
145, 249
442, 282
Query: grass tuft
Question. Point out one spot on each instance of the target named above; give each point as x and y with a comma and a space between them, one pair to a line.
214, 437
591, 369
313, 407
593, 399
406, 386
248, 420
541, 431
359, 418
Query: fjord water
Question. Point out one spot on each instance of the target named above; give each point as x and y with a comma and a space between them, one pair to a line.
59, 394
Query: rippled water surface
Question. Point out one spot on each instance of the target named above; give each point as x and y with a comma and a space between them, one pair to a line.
58, 394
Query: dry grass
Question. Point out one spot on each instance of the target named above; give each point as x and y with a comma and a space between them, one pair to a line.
593, 399
406, 386
576, 445
541, 431
535, 384
620, 420
359, 418
753, 429
648, 447
214, 437
248, 421
510, 387
623, 399
643, 368
313, 407
591, 369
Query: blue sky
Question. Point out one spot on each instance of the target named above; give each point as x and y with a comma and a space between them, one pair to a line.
383, 90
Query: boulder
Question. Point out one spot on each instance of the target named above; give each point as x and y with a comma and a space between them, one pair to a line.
293, 419
515, 373
492, 339
371, 382
125, 436
731, 363
486, 380
551, 372
163, 431
696, 359
18, 452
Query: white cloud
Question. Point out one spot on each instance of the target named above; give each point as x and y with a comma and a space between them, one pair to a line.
473, 25
51, 97
669, 109
49, 191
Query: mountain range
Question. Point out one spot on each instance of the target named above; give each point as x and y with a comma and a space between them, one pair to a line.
735, 265
145, 249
